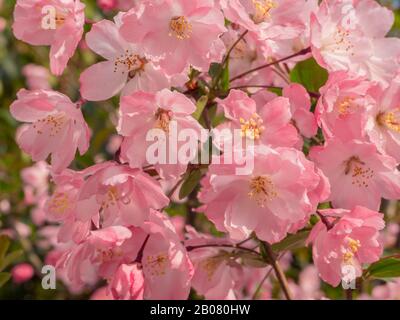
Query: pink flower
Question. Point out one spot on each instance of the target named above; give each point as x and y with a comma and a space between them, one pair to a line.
358, 174
166, 113
300, 105
268, 19
350, 35
57, 23
147, 262
116, 194
128, 283
36, 182
98, 256
181, 31
344, 101
62, 207
277, 197
37, 77
309, 285
56, 127
268, 124
127, 68
22, 272
383, 124
214, 275
352, 241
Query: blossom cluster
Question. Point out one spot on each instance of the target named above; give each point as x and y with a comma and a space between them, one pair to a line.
322, 159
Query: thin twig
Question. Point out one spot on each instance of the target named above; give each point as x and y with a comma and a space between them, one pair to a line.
219, 245
301, 52
258, 289
280, 275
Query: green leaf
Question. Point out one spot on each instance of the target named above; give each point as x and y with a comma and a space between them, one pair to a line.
225, 78
200, 105
309, 74
215, 69
4, 277
4, 244
10, 258
293, 241
385, 268
190, 183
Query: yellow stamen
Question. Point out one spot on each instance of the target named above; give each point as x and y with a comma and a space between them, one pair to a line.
262, 189
180, 28
262, 10
252, 128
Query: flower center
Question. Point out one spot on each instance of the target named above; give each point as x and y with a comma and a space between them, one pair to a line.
262, 10
163, 118
132, 62
389, 119
180, 28
360, 173
262, 189
156, 264
346, 106
109, 254
110, 198
342, 41
59, 203
252, 128
351, 249
55, 122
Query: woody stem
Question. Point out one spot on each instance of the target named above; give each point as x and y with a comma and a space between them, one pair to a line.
280, 275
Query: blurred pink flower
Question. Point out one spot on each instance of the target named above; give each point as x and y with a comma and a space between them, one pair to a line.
22, 272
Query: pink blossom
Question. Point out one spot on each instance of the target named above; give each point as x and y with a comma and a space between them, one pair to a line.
166, 113
147, 262
358, 174
268, 124
56, 127
36, 182
345, 98
214, 275
309, 285
181, 31
116, 194
22, 272
268, 19
56, 23
350, 35
126, 69
352, 241
62, 206
383, 123
300, 105
276, 197
37, 77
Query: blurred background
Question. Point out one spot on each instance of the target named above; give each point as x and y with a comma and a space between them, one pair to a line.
22, 186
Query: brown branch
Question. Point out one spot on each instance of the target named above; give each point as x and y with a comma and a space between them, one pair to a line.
301, 52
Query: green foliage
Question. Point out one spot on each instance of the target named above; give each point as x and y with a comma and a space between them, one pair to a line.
388, 267
309, 74
6, 259
291, 242
200, 105
191, 182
